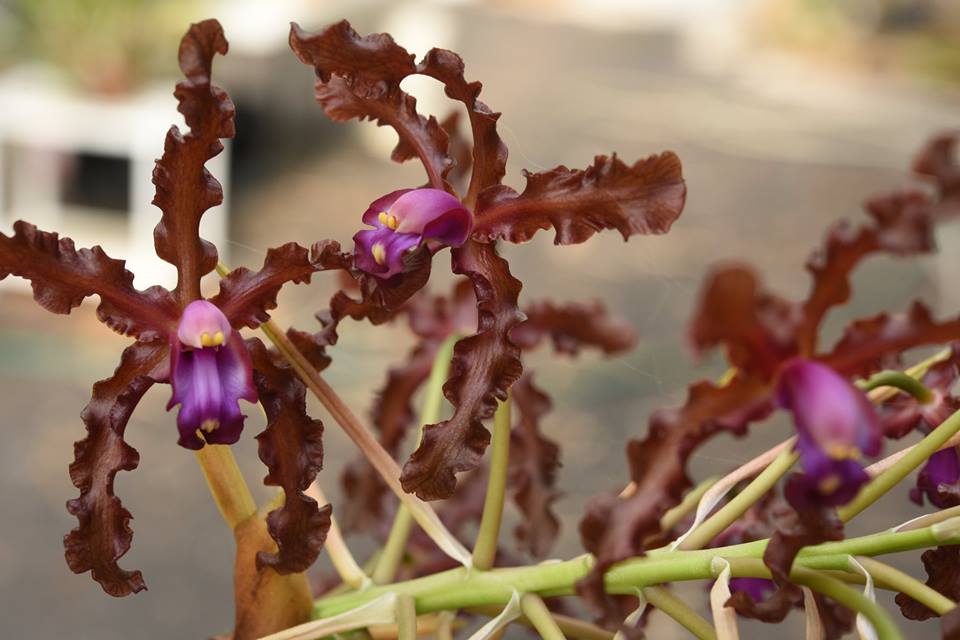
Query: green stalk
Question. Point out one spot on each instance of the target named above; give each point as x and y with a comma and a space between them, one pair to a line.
402, 526
832, 588
540, 617
485, 548
730, 512
901, 468
226, 483
461, 589
406, 618
897, 580
898, 380
677, 609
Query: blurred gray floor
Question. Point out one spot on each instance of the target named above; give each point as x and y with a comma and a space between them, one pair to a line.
771, 154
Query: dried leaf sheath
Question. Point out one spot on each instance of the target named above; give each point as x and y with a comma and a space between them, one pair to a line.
103, 534
185, 189
292, 449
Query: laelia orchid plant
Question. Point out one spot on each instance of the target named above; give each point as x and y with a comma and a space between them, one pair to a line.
762, 549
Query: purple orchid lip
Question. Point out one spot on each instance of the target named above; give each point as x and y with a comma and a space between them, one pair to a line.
939, 480
836, 426
211, 372
404, 220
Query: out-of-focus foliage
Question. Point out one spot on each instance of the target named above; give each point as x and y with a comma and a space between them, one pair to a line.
915, 36
104, 46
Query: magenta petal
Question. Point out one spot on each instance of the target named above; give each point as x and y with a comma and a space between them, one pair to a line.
372, 215
939, 479
394, 247
208, 384
757, 588
417, 210
202, 318
833, 414
451, 228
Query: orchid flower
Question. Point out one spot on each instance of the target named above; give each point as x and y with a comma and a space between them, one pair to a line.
836, 427
181, 339
403, 221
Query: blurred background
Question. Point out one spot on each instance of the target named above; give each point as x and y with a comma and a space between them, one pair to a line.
786, 114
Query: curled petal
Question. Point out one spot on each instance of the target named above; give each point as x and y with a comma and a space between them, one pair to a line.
103, 533
292, 448
247, 297
615, 528
756, 328
901, 225
866, 343
359, 77
943, 575
572, 326
829, 412
185, 189
62, 276
208, 384
483, 368
534, 461
643, 198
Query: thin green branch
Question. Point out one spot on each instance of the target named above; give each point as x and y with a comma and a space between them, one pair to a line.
461, 589
402, 526
829, 586
540, 617
672, 517
677, 609
901, 468
730, 512
226, 483
406, 618
485, 548
897, 580
898, 380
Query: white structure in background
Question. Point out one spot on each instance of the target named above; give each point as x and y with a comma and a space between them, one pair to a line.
44, 120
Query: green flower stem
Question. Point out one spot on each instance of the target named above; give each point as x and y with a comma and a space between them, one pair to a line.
689, 503
406, 618
460, 588
897, 580
901, 468
336, 547
227, 485
898, 380
730, 512
485, 547
540, 617
929, 519
378, 457
829, 586
392, 555
677, 609
571, 627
